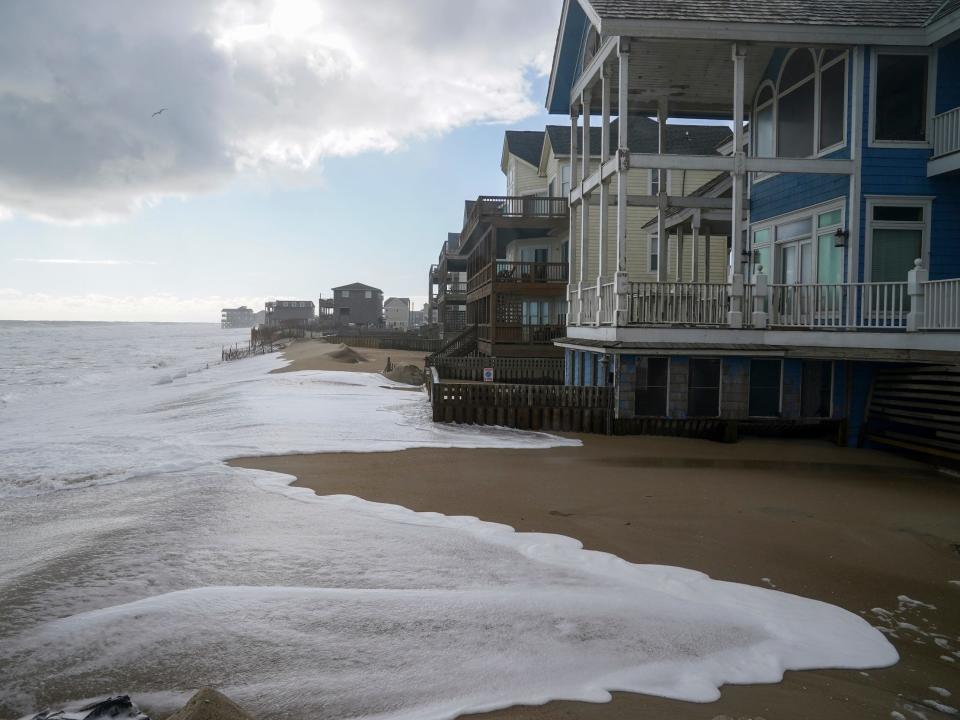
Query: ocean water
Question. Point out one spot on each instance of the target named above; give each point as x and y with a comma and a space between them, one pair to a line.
133, 560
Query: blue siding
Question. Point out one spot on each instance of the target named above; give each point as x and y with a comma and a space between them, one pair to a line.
792, 388
568, 367
903, 171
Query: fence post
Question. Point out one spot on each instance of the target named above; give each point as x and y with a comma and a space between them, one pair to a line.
735, 314
760, 317
915, 289
621, 289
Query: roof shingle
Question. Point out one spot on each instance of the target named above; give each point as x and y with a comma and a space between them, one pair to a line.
860, 13
525, 144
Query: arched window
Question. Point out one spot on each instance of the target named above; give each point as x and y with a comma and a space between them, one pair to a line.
786, 120
795, 105
763, 122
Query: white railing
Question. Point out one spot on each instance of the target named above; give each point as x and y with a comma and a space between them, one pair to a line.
608, 302
573, 311
946, 133
653, 303
941, 305
590, 304
841, 305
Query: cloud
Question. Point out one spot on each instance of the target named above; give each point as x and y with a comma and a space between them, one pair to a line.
19, 305
249, 86
77, 261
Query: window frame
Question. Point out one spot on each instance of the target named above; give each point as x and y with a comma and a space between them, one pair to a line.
666, 398
872, 201
931, 97
653, 244
650, 176
779, 387
819, 67
719, 385
832, 400
812, 212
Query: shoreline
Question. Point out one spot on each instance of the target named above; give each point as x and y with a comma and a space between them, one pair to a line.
770, 513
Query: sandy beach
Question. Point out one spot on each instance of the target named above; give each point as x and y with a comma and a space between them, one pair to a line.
317, 355
864, 530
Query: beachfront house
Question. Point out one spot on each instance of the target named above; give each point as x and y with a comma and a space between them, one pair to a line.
840, 199
396, 313
448, 288
289, 313
358, 305
241, 317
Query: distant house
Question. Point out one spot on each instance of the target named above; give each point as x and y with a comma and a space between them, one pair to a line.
241, 317
396, 312
281, 313
358, 304
418, 318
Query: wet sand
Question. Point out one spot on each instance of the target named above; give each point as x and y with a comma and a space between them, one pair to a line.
851, 527
318, 355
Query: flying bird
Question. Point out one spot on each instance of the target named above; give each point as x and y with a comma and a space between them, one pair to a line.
158, 112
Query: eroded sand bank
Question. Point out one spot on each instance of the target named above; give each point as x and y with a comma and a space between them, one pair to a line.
863, 530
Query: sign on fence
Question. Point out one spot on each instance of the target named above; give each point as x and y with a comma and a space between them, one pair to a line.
488, 374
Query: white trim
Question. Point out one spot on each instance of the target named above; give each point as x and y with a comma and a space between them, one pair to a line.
931, 96
856, 153
650, 177
872, 201
653, 244
844, 58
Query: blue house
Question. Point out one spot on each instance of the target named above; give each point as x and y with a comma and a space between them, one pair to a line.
840, 194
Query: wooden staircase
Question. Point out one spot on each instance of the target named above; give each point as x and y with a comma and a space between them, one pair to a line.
460, 345
916, 409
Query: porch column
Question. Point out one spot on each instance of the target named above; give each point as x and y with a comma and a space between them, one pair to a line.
604, 185
694, 261
738, 176
573, 318
621, 279
706, 259
663, 242
916, 280
585, 100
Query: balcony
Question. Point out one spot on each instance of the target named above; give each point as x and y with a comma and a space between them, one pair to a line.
519, 274
519, 211
520, 334
452, 291
946, 143
908, 306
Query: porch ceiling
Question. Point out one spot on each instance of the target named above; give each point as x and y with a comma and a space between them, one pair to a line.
696, 77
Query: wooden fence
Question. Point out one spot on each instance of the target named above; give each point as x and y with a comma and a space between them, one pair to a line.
543, 371
527, 407
388, 342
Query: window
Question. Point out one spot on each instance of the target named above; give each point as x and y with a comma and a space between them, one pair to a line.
651, 393
345, 293
368, 294
761, 251
765, 388
565, 181
806, 113
655, 182
703, 388
764, 123
833, 99
898, 236
900, 98
816, 388
653, 259
344, 311
795, 105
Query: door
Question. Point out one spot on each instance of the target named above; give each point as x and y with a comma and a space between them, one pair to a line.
796, 270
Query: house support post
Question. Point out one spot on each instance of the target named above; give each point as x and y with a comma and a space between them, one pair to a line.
915, 289
621, 279
585, 101
738, 176
695, 242
759, 316
604, 189
573, 314
663, 244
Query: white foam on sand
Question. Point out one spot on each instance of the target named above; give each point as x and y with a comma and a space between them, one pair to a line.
167, 570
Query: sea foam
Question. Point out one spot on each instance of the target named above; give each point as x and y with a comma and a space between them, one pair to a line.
165, 570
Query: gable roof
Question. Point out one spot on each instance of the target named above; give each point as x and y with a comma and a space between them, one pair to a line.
396, 300
357, 286
860, 13
642, 137
525, 144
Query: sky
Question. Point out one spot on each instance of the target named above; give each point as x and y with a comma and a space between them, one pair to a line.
303, 144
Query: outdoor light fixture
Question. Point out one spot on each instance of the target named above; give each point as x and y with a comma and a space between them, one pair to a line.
840, 237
